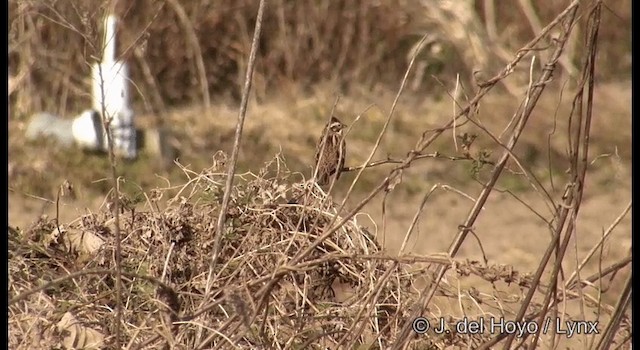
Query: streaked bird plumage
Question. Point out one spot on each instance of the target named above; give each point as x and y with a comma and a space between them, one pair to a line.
330, 152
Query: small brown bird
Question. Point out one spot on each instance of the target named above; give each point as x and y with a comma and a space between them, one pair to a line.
330, 152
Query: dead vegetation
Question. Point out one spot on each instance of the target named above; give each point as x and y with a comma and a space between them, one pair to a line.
182, 53
342, 291
163, 271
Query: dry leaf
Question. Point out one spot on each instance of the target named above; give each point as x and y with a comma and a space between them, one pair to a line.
77, 336
84, 241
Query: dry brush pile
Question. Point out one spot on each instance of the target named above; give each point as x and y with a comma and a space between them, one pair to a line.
274, 284
286, 275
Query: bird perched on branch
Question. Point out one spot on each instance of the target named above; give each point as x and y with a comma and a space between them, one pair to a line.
330, 152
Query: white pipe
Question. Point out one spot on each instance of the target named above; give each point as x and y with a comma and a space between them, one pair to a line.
109, 53
111, 79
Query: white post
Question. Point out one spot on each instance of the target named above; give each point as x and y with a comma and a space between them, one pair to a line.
110, 79
109, 51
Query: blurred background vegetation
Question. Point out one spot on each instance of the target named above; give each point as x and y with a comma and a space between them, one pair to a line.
179, 50
187, 62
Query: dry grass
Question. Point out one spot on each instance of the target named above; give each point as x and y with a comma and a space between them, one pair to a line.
184, 53
344, 291
297, 268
